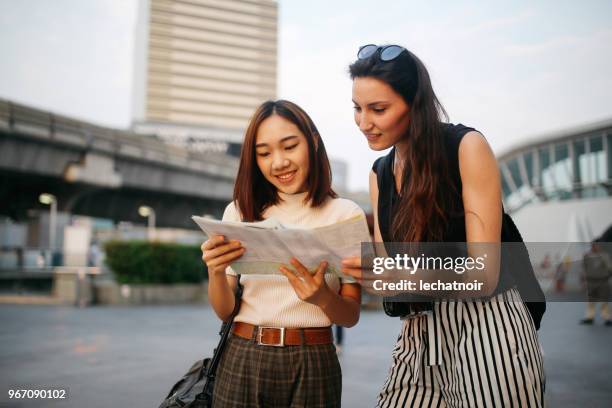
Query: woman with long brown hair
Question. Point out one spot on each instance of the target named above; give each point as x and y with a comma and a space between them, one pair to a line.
281, 349
440, 183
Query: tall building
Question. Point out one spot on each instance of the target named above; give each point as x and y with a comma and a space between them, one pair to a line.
339, 170
202, 67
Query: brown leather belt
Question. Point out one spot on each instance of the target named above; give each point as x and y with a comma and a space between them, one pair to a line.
281, 336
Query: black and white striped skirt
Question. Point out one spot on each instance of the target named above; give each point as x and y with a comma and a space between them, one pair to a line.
467, 354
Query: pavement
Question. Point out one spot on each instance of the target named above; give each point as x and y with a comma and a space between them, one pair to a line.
130, 356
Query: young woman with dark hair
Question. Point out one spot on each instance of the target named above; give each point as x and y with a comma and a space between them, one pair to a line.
281, 351
440, 183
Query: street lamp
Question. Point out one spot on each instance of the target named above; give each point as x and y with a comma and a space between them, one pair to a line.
50, 200
149, 213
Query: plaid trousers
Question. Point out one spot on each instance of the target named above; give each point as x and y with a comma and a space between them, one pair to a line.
250, 375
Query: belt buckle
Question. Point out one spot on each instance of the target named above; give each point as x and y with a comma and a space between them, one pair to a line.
281, 342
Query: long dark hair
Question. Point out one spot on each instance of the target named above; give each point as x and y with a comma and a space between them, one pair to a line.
426, 191
252, 192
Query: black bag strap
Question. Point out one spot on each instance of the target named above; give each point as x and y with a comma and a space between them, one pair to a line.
237, 297
224, 333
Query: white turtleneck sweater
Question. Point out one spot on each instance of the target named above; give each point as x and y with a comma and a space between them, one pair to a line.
269, 300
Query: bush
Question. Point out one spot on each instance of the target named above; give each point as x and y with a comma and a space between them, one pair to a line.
139, 262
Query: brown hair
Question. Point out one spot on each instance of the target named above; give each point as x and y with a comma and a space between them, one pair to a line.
252, 192
427, 193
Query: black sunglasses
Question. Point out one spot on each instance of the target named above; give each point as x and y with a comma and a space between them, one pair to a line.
386, 52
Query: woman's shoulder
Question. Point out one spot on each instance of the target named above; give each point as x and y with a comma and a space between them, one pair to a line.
458, 129
464, 140
383, 161
231, 212
344, 203
455, 133
456, 136
341, 208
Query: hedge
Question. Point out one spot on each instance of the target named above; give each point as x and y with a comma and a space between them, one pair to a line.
140, 262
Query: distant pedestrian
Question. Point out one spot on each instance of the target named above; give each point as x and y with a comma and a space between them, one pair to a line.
94, 257
597, 271
561, 274
545, 264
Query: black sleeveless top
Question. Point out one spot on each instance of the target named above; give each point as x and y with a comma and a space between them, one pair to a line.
455, 227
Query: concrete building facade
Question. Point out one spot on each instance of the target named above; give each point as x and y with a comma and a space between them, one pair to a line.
558, 187
202, 66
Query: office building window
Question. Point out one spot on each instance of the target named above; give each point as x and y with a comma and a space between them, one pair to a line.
549, 186
562, 169
593, 167
528, 159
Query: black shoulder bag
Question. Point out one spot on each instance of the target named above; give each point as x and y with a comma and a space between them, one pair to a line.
195, 389
522, 271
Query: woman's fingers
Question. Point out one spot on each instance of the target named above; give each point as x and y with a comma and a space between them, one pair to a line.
226, 258
298, 265
361, 275
291, 276
212, 242
218, 251
319, 275
352, 262
356, 273
352, 266
364, 279
300, 269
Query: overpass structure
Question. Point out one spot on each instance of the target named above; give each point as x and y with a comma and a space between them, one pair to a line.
106, 173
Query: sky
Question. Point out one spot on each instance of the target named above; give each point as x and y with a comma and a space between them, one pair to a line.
512, 70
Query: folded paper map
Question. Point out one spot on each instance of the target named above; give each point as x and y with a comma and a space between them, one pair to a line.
270, 244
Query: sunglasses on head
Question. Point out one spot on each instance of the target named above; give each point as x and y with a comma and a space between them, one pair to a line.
385, 52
